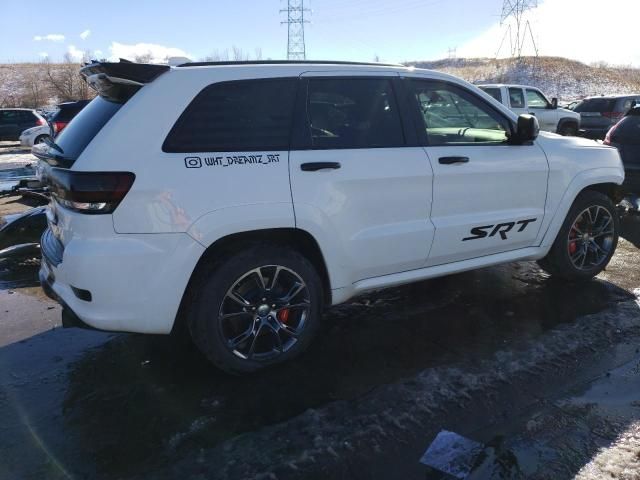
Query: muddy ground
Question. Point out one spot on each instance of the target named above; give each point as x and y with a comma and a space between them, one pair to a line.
545, 376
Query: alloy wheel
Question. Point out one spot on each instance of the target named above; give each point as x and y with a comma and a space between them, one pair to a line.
591, 238
264, 312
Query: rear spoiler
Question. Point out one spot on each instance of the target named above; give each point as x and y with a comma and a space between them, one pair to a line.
118, 81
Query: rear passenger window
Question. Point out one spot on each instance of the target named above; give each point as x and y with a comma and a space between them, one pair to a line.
353, 113
242, 115
516, 98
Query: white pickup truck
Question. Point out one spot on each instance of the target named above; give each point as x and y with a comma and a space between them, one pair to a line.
524, 99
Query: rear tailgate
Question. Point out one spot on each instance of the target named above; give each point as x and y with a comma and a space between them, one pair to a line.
76, 194
594, 112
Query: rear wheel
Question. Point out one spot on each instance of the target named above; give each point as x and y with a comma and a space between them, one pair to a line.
257, 308
587, 239
40, 139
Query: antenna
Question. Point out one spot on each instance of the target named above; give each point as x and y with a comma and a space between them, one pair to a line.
516, 25
295, 21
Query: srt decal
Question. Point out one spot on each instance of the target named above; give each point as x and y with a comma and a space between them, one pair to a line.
229, 160
501, 228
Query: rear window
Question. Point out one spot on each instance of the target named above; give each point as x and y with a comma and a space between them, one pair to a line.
494, 92
596, 105
67, 112
85, 126
243, 115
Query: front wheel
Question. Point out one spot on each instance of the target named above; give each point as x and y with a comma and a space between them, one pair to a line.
587, 239
259, 307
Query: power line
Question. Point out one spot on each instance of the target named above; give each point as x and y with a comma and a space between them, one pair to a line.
517, 26
295, 21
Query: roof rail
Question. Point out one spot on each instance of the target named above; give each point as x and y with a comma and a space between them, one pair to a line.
288, 62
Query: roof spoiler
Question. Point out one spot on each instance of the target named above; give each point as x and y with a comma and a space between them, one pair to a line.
118, 81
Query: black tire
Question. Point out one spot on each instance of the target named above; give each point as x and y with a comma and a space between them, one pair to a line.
40, 139
209, 297
558, 261
568, 130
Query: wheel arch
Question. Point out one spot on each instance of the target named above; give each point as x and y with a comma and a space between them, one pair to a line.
296, 238
606, 180
566, 121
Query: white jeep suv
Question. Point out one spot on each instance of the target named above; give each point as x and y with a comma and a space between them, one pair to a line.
239, 199
524, 99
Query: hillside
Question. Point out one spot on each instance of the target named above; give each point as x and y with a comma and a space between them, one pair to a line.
557, 77
41, 84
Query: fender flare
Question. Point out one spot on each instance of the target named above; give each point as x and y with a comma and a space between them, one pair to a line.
580, 182
226, 221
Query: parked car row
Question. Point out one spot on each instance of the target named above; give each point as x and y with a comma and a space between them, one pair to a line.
31, 127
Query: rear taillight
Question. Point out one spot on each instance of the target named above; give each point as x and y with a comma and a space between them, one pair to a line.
613, 115
58, 127
39, 122
89, 192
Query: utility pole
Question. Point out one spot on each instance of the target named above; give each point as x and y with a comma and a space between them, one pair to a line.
514, 20
295, 21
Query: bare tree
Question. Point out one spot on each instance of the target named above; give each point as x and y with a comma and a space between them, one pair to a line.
217, 56
64, 79
143, 58
238, 54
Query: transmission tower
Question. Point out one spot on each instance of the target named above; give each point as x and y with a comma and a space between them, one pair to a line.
295, 21
516, 26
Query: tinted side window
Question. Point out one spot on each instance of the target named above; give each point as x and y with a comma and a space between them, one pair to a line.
353, 113
242, 115
9, 116
454, 116
625, 105
516, 98
494, 92
536, 100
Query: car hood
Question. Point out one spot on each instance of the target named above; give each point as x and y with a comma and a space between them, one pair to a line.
548, 138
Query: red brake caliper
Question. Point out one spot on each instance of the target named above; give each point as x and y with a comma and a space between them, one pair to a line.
283, 315
573, 244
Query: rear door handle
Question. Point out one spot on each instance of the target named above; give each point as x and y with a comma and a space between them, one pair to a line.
452, 160
315, 166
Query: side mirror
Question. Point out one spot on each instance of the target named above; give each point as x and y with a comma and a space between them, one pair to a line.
527, 128
554, 103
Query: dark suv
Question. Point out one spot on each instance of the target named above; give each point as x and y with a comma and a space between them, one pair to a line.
599, 114
13, 121
625, 135
66, 112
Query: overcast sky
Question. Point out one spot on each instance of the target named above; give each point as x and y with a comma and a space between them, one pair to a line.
394, 30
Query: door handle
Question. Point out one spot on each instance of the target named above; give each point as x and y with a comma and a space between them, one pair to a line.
315, 166
453, 160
